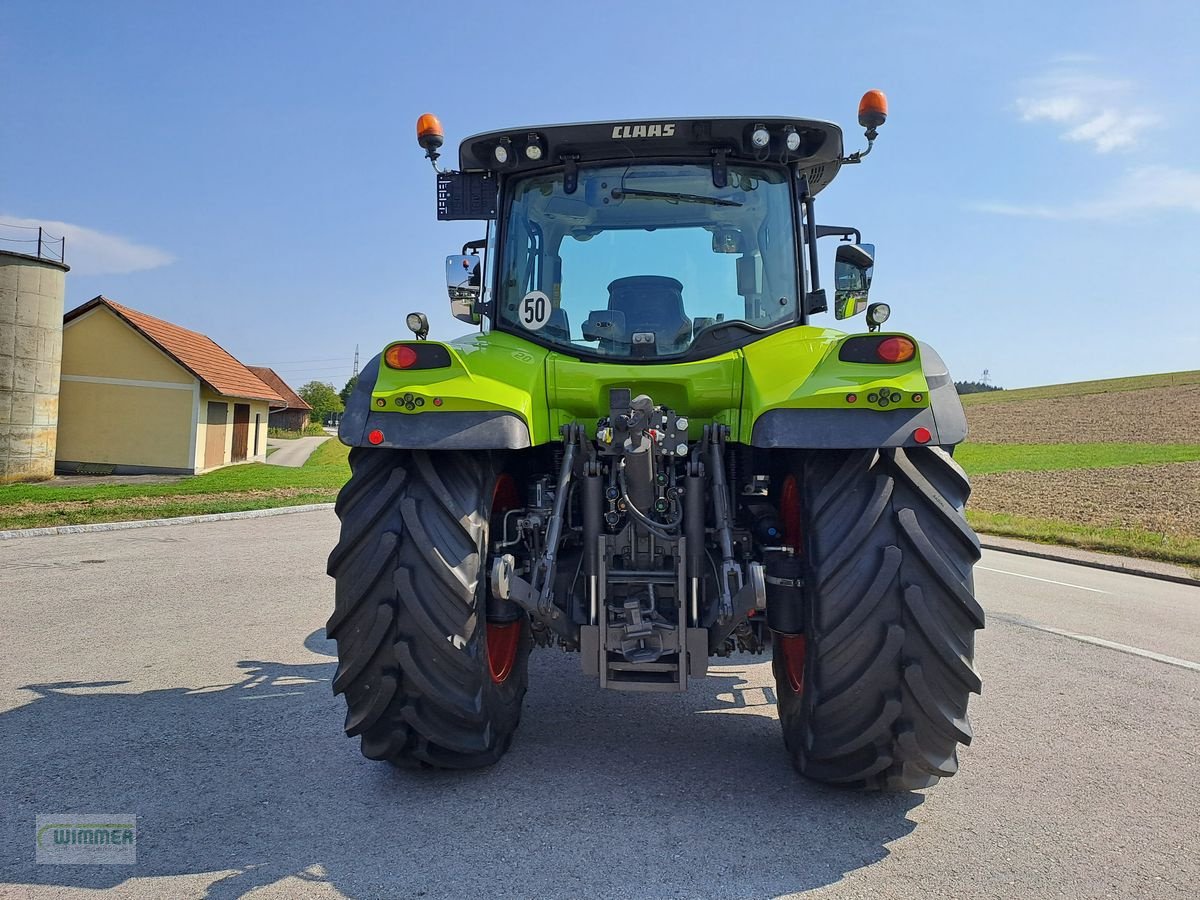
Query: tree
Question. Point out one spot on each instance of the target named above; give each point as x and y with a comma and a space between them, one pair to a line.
323, 399
345, 392
975, 387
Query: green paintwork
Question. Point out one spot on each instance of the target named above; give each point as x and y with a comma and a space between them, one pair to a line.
705, 391
796, 368
494, 371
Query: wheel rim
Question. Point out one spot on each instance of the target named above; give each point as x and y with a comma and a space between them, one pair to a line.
795, 649
789, 512
503, 638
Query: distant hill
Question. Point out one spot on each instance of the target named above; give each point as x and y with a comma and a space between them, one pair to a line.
1079, 388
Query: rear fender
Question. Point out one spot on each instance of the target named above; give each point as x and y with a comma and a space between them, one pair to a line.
450, 407
816, 412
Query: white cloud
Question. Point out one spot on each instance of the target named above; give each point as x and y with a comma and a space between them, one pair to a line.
88, 251
1075, 59
1092, 109
1144, 190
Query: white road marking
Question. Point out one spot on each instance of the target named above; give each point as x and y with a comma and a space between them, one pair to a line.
1046, 580
1101, 642
268, 696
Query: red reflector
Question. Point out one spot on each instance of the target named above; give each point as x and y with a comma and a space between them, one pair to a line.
401, 356
437, 401
922, 436
896, 350
852, 398
375, 437
917, 398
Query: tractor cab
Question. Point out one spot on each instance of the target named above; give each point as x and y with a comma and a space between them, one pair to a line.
668, 240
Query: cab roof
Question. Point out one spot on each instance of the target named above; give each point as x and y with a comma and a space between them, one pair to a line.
819, 151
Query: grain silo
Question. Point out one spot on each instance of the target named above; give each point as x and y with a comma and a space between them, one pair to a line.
31, 318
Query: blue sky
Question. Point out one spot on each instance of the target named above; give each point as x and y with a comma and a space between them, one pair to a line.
249, 169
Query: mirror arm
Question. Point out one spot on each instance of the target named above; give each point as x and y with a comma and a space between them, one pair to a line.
840, 231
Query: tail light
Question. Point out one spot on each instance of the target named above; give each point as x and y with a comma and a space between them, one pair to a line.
896, 350
417, 355
877, 349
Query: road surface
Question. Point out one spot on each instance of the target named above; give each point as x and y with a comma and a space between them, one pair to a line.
181, 674
293, 452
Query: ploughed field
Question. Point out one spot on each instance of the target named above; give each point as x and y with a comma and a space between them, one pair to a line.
1107, 465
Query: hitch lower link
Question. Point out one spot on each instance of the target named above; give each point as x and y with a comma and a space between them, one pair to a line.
536, 595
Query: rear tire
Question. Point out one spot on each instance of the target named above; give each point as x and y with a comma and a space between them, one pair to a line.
887, 658
409, 615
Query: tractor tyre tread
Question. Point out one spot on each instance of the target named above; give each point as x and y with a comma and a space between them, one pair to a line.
409, 616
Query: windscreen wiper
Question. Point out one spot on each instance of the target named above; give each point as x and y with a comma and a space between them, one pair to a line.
710, 331
618, 193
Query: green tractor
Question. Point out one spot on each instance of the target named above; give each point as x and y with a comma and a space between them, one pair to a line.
651, 454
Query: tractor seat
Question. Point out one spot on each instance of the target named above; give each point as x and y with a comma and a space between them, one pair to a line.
652, 303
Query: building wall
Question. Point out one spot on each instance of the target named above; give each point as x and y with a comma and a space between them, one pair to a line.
289, 419
257, 408
126, 426
101, 343
128, 405
123, 403
31, 309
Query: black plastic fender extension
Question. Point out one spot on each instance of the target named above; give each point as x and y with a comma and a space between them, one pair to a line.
483, 430
849, 429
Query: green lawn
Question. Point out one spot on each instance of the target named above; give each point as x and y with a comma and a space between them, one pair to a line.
1179, 549
983, 459
1078, 388
234, 488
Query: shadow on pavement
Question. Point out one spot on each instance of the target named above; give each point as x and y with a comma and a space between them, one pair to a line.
603, 794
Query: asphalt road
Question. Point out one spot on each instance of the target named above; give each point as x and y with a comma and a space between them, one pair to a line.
293, 452
181, 674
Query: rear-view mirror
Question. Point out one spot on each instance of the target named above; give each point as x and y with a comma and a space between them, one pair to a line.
464, 285
853, 266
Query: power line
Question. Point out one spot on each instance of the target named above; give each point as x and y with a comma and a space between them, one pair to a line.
288, 362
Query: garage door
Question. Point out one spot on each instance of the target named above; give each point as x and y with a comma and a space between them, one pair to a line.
241, 431
214, 434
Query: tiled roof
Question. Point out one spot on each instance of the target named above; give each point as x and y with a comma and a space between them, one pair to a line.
291, 399
197, 353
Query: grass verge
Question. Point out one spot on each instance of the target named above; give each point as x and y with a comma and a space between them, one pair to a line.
984, 459
232, 489
1180, 549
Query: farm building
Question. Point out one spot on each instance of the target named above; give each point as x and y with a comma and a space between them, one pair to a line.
141, 395
293, 413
